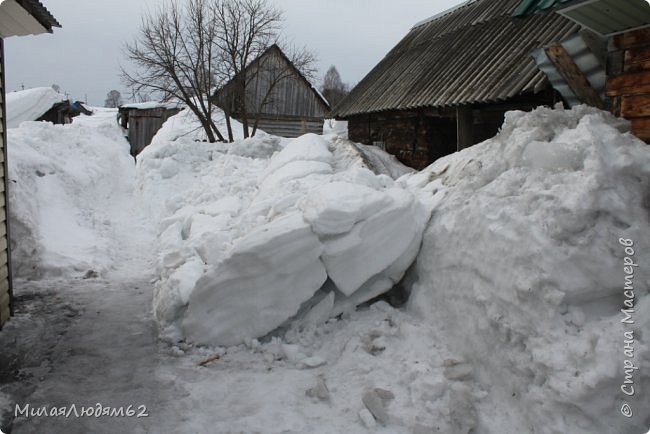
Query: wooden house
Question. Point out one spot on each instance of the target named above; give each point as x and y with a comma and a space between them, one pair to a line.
622, 46
143, 120
17, 18
277, 95
448, 83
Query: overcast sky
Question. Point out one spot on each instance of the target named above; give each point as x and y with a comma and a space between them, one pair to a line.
84, 56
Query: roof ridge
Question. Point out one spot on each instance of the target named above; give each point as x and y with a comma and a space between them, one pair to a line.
443, 13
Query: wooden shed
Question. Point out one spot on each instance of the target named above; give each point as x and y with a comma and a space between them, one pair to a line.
63, 112
143, 120
448, 83
17, 18
620, 79
278, 95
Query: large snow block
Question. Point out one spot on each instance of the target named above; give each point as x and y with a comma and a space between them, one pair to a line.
267, 276
365, 232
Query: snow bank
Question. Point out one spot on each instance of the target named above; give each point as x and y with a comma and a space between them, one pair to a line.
62, 181
269, 231
30, 104
522, 272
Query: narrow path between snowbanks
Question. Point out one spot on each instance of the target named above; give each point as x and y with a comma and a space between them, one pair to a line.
106, 351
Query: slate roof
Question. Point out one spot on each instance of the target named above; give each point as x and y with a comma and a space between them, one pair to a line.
475, 53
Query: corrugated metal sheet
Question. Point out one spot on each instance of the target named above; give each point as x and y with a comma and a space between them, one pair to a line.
606, 17
25, 17
585, 59
609, 17
476, 53
40, 12
5, 256
530, 7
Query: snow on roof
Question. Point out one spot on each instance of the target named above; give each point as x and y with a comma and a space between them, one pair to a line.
30, 104
151, 105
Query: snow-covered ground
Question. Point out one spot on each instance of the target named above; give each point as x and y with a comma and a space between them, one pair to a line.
252, 257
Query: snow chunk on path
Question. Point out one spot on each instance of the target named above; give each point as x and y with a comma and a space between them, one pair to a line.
268, 275
365, 231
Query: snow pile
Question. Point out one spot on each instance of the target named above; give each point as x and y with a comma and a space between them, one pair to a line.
338, 128
246, 243
523, 269
63, 183
30, 104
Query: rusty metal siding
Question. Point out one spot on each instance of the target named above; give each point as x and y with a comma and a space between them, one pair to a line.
6, 308
477, 53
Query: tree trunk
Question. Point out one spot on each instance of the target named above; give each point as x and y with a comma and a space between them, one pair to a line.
229, 127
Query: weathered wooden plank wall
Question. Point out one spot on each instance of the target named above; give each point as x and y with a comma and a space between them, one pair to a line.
5, 257
290, 127
284, 100
628, 82
144, 124
290, 96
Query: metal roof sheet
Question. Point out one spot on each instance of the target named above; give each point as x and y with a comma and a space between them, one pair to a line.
530, 7
25, 17
606, 17
475, 53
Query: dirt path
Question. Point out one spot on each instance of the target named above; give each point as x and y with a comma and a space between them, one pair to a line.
82, 342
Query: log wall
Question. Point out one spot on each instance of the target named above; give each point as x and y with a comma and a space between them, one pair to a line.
628, 80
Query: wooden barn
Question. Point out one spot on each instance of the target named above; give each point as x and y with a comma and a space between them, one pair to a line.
449, 81
17, 18
622, 47
278, 97
143, 120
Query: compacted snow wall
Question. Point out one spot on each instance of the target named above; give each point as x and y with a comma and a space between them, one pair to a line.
63, 181
523, 271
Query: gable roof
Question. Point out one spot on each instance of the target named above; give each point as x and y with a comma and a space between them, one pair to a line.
277, 50
25, 17
474, 53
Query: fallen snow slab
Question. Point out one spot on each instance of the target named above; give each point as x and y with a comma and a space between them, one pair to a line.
522, 271
214, 207
266, 278
373, 244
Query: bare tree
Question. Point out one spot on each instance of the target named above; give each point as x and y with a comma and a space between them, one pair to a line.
113, 99
253, 62
56, 88
175, 56
187, 50
333, 88
247, 29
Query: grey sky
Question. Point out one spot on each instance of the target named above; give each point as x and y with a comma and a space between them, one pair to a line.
85, 55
